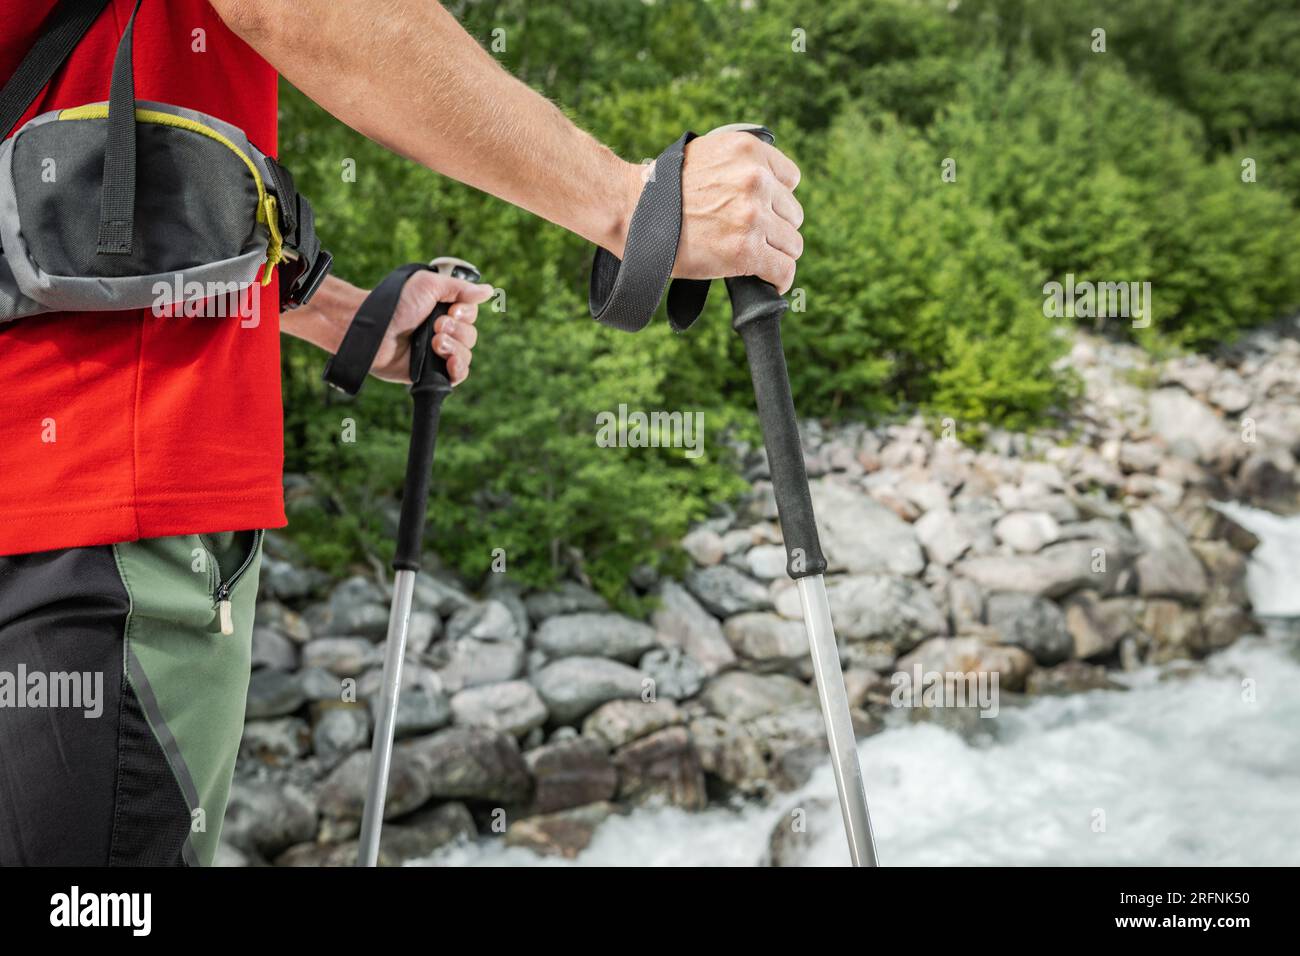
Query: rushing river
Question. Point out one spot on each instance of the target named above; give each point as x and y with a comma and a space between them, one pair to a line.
1198, 767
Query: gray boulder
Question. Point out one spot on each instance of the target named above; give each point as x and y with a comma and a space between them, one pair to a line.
420, 711
682, 622
1187, 425
264, 817
970, 655
739, 696
339, 731
662, 769
767, 641
468, 763
1175, 632
944, 535
276, 743
425, 626
569, 598
899, 611
725, 591
470, 662
590, 634
510, 593
489, 620
316, 684
620, 722
272, 649
417, 836
357, 607
766, 561
574, 686
1027, 531
570, 773
273, 693
564, 834
705, 547
797, 831
1031, 622
342, 656
676, 675
274, 615
1268, 478
1097, 626
1167, 566
858, 534
1056, 570
965, 604
439, 595
731, 755
285, 581
512, 707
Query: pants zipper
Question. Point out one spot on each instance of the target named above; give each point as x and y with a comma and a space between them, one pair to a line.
224, 608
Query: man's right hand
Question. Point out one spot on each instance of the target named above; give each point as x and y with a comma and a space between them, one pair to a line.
739, 214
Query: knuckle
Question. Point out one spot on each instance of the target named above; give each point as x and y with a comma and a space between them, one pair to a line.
740, 249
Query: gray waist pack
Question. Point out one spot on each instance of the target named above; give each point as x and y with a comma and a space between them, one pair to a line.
132, 204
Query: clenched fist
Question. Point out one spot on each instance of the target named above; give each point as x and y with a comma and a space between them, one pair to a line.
739, 214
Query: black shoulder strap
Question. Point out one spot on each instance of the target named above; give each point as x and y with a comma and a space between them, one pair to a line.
117, 199
67, 25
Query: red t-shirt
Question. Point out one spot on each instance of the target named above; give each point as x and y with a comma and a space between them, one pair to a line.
124, 425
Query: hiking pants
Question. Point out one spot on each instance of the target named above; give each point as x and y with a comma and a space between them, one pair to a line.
122, 700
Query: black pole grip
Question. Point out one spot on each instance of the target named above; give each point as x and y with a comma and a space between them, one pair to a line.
430, 384
419, 473
428, 368
757, 309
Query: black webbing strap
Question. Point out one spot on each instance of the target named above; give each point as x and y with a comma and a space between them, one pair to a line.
67, 24
625, 294
348, 369
117, 200
298, 280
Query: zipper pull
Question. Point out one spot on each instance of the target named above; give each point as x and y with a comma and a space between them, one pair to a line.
226, 611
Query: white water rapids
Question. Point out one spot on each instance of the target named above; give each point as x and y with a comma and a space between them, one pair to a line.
1193, 770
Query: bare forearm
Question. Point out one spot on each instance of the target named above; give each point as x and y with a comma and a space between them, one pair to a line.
405, 73
325, 319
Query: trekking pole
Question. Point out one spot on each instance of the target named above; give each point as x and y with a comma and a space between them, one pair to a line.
625, 296
430, 384
756, 310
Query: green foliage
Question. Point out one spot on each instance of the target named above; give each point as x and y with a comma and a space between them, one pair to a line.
914, 293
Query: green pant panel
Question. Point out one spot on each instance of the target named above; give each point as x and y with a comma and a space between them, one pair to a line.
191, 679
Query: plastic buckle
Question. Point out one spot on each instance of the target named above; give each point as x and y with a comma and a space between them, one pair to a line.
305, 283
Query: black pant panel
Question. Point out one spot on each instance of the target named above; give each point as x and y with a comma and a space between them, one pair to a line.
84, 784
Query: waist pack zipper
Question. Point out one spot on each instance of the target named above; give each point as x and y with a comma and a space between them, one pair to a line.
225, 610
267, 207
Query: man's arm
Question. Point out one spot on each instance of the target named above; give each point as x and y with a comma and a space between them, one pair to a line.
405, 74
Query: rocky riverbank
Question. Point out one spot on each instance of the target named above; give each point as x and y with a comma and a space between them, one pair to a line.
1048, 560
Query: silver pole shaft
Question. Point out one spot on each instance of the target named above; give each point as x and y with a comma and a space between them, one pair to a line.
839, 724
381, 749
